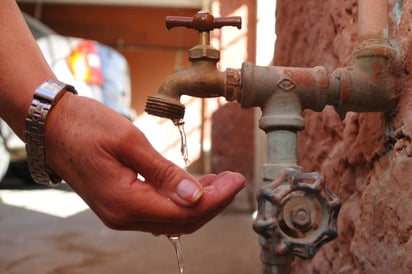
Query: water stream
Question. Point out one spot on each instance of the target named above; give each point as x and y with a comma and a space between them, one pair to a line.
177, 244
175, 239
183, 142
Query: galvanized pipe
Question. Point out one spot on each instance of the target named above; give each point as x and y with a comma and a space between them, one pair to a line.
369, 84
292, 86
373, 19
281, 153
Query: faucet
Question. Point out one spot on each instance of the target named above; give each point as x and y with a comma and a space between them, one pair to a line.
202, 79
297, 214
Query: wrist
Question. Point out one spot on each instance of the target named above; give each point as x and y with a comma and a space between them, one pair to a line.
16, 100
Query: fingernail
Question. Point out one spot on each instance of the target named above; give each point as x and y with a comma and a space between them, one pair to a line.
189, 190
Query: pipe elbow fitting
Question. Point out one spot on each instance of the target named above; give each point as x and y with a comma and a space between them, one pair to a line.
369, 85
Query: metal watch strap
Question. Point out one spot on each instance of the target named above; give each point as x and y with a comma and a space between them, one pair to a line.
45, 97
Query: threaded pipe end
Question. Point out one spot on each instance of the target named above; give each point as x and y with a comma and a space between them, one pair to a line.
164, 108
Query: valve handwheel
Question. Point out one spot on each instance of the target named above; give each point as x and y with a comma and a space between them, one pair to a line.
297, 214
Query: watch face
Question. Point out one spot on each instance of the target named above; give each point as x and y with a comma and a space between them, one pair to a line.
49, 90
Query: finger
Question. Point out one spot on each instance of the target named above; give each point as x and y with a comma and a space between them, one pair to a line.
140, 207
163, 216
223, 186
218, 192
179, 228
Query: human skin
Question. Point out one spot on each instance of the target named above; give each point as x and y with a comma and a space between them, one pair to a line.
99, 153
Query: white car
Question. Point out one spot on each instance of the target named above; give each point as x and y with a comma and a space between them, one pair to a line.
94, 69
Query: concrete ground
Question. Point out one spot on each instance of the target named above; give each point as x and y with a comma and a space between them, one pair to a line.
70, 239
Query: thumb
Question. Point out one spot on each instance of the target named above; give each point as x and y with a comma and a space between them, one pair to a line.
167, 178
175, 183
188, 191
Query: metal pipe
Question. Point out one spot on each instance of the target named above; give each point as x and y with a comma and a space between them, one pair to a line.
310, 87
281, 153
275, 90
373, 19
369, 84
283, 92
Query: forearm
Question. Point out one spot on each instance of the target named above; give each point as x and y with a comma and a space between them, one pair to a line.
22, 67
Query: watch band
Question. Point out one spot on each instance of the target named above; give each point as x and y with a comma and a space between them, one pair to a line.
45, 97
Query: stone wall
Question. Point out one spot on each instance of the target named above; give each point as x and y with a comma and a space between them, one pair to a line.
365, 158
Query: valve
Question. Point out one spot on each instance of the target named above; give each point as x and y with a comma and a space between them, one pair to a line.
203, 22
297, 214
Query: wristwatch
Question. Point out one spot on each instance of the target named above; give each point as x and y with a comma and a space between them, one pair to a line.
45, 97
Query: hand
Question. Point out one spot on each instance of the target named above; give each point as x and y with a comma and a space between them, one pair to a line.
99, 153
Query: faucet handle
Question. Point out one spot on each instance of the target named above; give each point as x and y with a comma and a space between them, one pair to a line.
203, 21
297, 214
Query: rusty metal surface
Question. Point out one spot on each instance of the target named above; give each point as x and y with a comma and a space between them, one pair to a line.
297, 214
309, 85
369, 85
373, 19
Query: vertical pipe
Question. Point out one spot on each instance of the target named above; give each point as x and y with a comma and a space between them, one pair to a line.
371, 73
282, 147
373, 19
281, 120
281, 153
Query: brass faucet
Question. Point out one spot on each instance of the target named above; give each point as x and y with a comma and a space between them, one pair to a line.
202, 79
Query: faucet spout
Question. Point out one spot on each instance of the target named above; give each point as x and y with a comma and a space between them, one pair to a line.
201, 80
